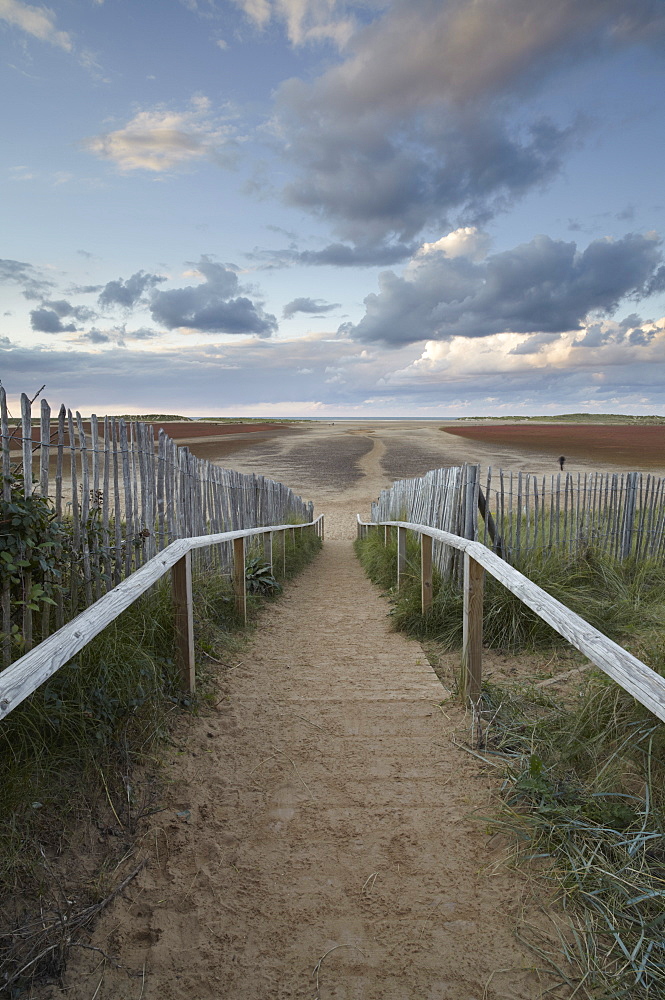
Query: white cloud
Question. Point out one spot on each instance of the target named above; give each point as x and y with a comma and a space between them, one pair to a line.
305, 20
468, 241
36, 21
161, 139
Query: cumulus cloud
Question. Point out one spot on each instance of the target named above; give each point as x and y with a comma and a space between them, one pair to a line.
32, 283
426, 120
127, 293
305, 305
213, 306
39, 22
162, 140
48, 321
544, 286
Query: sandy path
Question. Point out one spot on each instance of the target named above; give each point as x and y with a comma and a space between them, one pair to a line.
322, 812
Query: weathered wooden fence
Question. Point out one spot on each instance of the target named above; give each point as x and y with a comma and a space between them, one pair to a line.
443, 498
620, 515
123, 497
632, 674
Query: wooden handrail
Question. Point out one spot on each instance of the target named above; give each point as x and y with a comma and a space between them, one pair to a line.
24, 675
634, 676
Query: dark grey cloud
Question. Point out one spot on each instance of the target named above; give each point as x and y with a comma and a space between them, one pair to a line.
31, 281
343, 255
213, 306
48, 318
127, 293
335, 255
545, 286
96, 337
427, 120
305, 305
64, 308
48, 321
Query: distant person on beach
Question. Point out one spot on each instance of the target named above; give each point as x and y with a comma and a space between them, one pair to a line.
562, 459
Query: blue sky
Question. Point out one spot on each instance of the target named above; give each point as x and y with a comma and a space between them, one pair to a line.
313, 208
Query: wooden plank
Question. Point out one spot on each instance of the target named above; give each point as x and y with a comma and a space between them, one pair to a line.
401, 556
106, 504
425, 572
183, 610
239, 588
85, 510
26, 444
44, 447
472, 629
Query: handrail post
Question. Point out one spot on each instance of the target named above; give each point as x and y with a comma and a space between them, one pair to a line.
322, 528
426, 572
267, 548
401, 556
472, 631
181, 584
387, 534
239, 588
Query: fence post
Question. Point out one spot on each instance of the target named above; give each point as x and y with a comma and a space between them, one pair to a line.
387, 534
267, 548
401, 556
472, 632
426, 572
181, 584
239, 577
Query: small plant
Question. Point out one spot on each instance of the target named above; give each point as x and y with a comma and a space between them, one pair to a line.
259, 578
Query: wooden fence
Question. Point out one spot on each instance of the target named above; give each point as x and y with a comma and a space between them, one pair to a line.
26, 674
123, 498
620, 515
443, 498
632, 674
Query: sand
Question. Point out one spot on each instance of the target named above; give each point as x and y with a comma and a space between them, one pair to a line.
323, 831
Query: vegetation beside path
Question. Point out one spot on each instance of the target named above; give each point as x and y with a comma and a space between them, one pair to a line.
583, 773
80, 761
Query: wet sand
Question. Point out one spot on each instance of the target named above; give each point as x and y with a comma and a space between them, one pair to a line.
320, 460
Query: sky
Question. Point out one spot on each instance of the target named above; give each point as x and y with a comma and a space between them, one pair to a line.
314, 208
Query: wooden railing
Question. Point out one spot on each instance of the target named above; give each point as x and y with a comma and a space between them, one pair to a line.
643, 683
26, 674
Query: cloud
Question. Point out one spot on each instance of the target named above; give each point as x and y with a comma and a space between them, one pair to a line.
427, 118
48, 321
304, 20
545, 286
36, 21
127, 293
305, 305
211, 307
48, 318
32, 283
333, 375
162, 140
336, 255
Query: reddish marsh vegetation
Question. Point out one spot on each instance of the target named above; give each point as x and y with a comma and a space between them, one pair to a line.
622, 444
